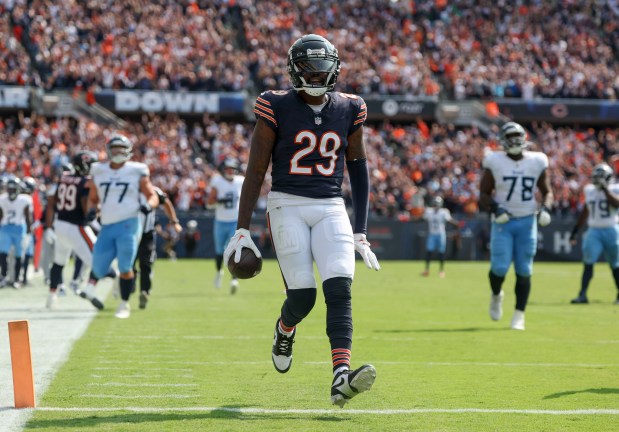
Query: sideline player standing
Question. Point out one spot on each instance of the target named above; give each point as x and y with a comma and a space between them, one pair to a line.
310, 134
224, 197
115, 190
437, 217
601, 212
507, 190
15, 223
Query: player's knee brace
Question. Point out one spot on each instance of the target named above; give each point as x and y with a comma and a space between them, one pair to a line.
523, 288
298, 304
339, 308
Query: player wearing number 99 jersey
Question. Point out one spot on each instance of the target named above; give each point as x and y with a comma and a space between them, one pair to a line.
70, 231
507, 190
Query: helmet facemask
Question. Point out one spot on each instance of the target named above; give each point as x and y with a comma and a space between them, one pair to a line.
119, 157
601, 175
313, 65
513, 138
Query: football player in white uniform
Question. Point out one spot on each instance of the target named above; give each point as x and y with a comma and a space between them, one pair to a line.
224, 197
601, 212
437, 218
115, 191
507, 190
15, 223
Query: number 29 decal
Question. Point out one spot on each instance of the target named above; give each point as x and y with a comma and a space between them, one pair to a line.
327, 146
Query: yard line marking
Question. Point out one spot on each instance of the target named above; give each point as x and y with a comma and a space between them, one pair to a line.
167, 396
142, 368
337, 411
118, 384
380, 362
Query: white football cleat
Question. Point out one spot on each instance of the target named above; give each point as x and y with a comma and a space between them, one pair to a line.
496, 306
52, 300
123, 311
348, 384
281, 353
518, 320
218, 276
234, 285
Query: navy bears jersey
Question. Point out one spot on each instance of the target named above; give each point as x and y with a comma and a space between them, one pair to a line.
310, 148
71, 188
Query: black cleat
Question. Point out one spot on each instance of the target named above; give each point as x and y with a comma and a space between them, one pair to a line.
144, 299
580, 300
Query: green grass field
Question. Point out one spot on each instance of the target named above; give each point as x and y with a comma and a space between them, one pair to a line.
198, 359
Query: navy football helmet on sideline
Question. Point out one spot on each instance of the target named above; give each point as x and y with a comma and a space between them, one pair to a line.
313, 65
82, 161
601, 175
513, 138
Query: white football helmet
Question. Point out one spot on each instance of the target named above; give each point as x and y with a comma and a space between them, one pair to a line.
513, 138
601, 175
119, 141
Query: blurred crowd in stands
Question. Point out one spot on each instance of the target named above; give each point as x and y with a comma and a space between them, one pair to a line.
463, 49
408, 163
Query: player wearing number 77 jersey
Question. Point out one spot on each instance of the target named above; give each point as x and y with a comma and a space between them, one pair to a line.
310, 134
115, 191
507, 190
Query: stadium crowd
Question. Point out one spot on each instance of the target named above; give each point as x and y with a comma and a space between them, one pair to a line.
408, 163
469, 48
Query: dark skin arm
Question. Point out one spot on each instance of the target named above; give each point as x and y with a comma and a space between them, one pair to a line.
486, 187
584, 214
356, 146
262, 143
613, 200
543, 184
50, 210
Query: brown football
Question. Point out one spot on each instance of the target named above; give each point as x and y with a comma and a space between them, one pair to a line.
248, 266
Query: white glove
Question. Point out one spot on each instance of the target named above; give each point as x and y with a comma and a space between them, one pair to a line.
35, 225
501, 216
49, 235
363, 247
241, 239
543, 217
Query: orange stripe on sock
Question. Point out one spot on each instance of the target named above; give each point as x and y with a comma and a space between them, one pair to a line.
285, 328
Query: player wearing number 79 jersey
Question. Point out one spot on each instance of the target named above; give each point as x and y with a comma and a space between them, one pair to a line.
115, 191
507, 190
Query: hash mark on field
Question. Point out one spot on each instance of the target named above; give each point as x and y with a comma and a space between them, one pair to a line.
118, 384
167, 396
335, 411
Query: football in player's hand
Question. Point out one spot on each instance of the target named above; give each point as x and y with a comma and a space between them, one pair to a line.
248, 266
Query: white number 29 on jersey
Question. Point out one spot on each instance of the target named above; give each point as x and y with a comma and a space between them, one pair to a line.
327, 147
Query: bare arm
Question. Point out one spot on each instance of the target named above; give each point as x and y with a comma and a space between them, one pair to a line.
146, 187
93, 196
486, 187
262, 143
50, 210
28, 216
582, 218
211, 200
169, 211
543, 184
613, 199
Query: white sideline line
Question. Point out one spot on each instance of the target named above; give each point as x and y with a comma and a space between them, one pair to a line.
142, 368
104, 396
344, 411
379, 362
119, 384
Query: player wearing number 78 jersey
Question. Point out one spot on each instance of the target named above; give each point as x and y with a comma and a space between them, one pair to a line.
507, 190
115, 191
